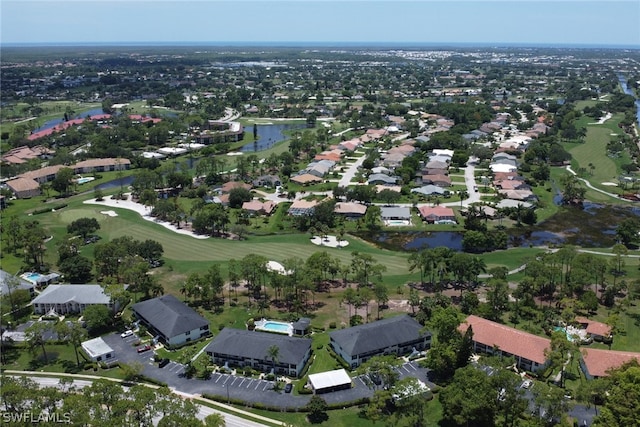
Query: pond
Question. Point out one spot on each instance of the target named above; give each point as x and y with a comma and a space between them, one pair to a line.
593, 226
51, 123
121, 182
269, 135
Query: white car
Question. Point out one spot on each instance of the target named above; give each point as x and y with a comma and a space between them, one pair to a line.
527, 384
126, 333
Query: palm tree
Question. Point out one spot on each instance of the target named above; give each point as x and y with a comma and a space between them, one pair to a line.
272, 353
463, 195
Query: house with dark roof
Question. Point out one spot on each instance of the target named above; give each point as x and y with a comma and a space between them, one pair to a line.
501, 340
396, 335
171, 320
242, 348
63, 299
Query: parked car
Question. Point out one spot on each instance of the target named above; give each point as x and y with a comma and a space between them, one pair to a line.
126, 333
144, 348
163, 363
527, 384
288, 388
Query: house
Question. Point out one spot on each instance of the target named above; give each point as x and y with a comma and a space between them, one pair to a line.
228, 186
320, 168
24, 188
326, 382
436, 164
98, 350
599, 331
350, 210
171, 320
396, 335
493, 338
439, 180
305, 179
63, 299
42, 175
5, 277
395, 213
596, 363
267, 181
302, 207
435, 214
256, 207
428, 190
242, 348
102, 165
382, 179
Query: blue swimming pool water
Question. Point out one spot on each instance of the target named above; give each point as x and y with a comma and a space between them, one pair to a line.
85, 180
31, 277
277, 327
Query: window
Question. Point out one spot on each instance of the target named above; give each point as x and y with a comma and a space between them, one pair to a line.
188, 333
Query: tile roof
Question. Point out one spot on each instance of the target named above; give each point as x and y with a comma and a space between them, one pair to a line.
599, 361
593, 327
510, 340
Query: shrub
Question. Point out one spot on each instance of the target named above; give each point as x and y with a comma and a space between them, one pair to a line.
332, 325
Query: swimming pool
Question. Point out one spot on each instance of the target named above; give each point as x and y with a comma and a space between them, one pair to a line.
397, 222
31, 277
84, 180
274, 326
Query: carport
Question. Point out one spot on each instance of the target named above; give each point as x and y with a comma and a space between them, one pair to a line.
326, 382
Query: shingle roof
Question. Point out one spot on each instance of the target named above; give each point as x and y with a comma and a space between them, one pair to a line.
510, 340
81, 294
254, 345
169, 315
378, 335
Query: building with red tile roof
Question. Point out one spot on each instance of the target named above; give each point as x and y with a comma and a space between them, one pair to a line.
598, 330
494, 338
596, 363
256, 207
24, 188
432, 214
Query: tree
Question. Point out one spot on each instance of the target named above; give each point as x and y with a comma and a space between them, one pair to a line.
62, 181
382, 296
35, 337
457, 406
83, 227
76, 269
389, 197
273, 352
627, 231
239, 195
383, 367
317, 407
131, 371
97, 317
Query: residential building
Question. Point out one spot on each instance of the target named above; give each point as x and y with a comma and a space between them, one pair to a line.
396, 335
382, 179
596, 363
242, 348
171, 320
497, 339
428, 190
599, 331
5, 277
434, 214
395, 213
350, 210
302, 207
102, 165
305, 179
24, 188
64, 299
256, 207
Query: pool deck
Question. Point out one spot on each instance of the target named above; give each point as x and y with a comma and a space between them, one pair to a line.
259, 326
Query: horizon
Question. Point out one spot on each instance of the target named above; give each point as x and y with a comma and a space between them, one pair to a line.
527, 23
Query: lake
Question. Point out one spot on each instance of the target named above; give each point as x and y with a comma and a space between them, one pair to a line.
269, 135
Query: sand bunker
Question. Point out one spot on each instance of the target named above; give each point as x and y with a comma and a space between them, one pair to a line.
610, 184
331, 241
109, 213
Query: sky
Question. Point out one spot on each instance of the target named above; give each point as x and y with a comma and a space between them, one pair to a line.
498, 22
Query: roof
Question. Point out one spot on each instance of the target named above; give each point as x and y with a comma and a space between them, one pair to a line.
599, 361
235, 342
305, 178
329, 379
4, 277
436, 210
169, 315
23, 184
350, 208
96, 347
395, 212
92, 163
378, 335
428, 190
510, 340
595, 328
382, 178
302, 323
80, 294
